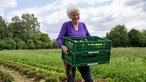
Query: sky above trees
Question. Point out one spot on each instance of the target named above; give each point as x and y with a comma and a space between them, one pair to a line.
100, 16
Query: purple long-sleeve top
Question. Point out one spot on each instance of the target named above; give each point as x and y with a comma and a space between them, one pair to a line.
68, 29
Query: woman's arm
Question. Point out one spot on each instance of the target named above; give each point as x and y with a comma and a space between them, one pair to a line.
62, 33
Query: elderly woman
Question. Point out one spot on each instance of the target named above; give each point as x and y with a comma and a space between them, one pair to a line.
74, 28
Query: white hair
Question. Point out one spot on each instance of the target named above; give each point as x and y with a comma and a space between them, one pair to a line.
71, 9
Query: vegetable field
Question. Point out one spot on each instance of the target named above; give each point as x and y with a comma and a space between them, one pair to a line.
126, 65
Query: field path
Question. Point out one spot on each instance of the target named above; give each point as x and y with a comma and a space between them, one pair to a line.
16, 75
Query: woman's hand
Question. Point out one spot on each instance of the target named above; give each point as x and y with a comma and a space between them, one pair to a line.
65, 49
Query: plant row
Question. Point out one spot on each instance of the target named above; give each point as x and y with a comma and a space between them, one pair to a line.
29, 73
124, 69
46, 69
5, 76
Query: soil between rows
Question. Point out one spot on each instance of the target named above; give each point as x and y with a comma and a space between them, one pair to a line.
16, 75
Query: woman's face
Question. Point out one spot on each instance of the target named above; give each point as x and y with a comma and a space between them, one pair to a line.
75, 16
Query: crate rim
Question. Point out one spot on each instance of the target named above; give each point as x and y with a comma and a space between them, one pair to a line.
68, 38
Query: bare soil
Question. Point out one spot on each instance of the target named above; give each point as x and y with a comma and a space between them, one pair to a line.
16, 75
21, 78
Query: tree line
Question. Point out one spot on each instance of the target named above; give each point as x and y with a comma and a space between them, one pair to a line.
122, 38
23, 33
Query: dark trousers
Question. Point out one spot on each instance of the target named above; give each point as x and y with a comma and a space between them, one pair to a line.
84, 70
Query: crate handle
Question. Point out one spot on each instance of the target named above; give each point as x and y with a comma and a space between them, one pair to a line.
93, 52
92, 64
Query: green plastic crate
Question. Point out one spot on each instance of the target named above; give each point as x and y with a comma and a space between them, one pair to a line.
86, 50
87, 58
87, 43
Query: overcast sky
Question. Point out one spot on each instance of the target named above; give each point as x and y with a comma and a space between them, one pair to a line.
100, 16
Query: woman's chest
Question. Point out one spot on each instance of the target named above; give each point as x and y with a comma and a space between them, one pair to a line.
74, 32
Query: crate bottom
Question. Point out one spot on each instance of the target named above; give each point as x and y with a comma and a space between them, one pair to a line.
84, 58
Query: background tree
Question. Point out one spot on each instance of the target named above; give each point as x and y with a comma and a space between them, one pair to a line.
30, 26
3, 28
20, 44
15, 28
8, 43
23, 32
144, 34
46, 42
53, 44
119, 36
136, 38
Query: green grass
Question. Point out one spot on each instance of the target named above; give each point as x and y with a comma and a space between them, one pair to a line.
46, 57
126, 64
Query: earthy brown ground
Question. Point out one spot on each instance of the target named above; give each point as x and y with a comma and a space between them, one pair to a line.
21, 78
17, 76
